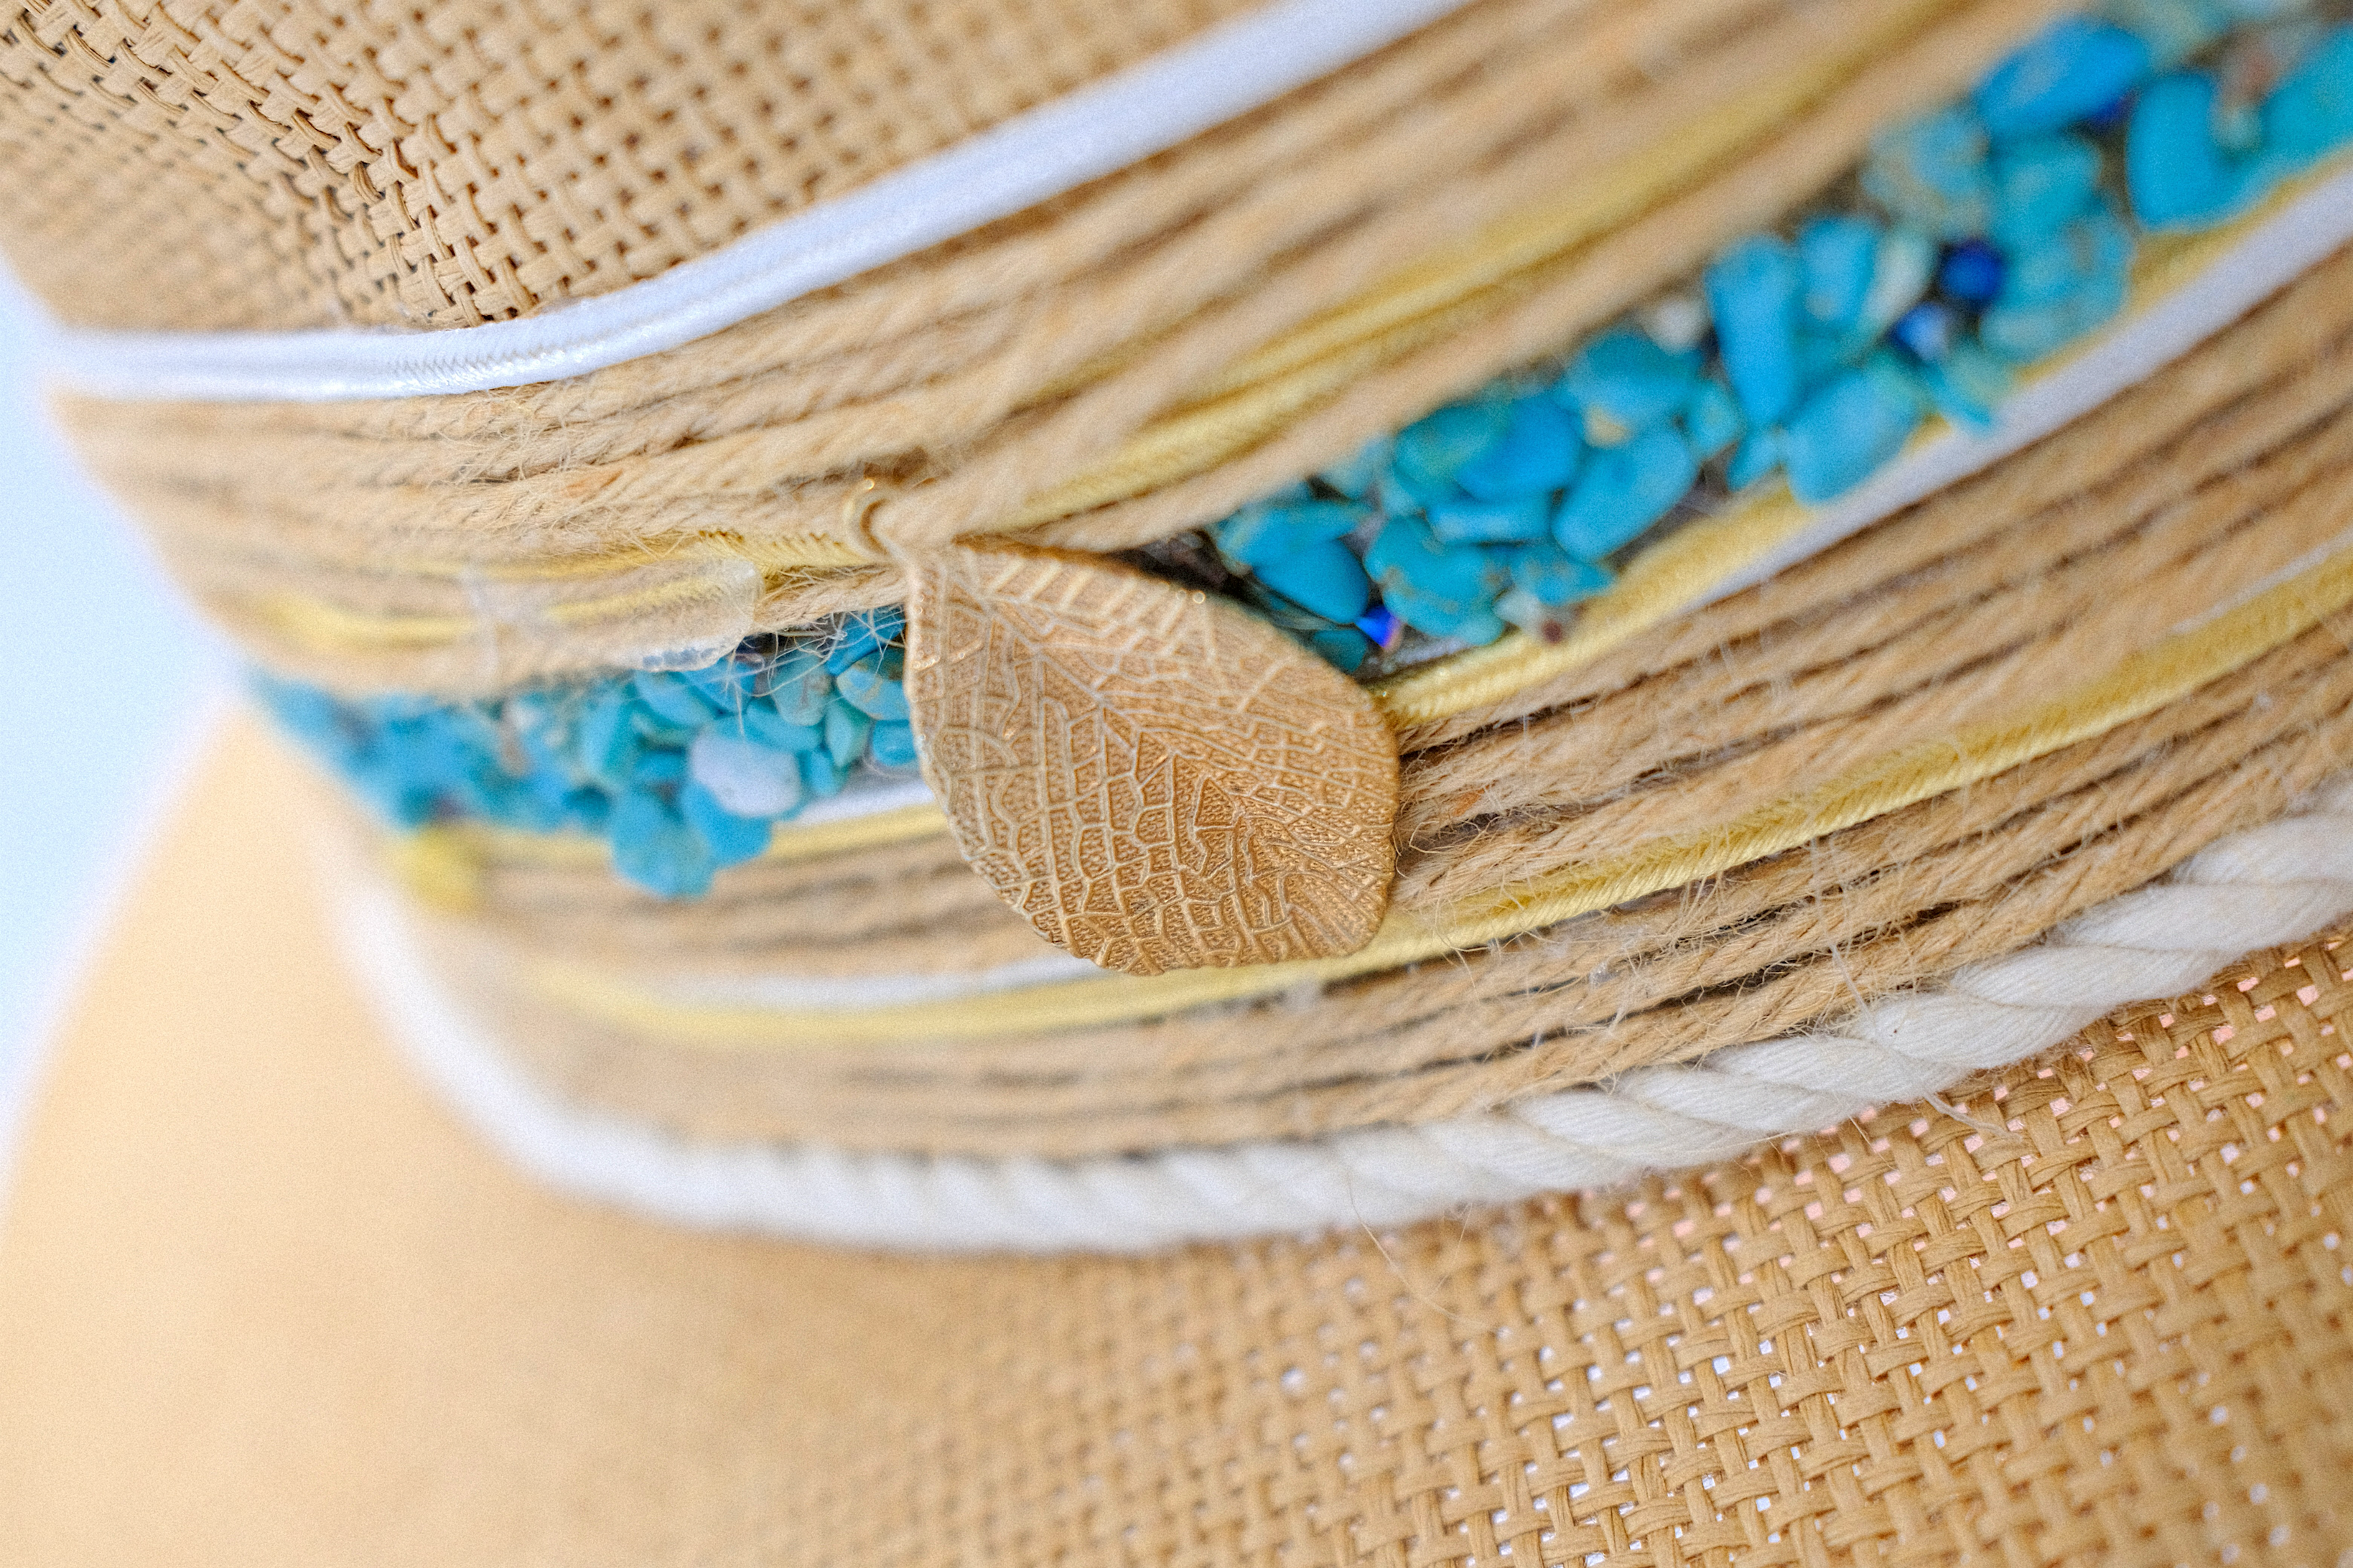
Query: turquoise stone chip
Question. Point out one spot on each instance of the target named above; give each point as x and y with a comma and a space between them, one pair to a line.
765, 726
865, 688
845, 733
672, 699
1932, 172
1848, 430
1630, 380
2071, 70
799, 687
1755, 457
1711, 420
1902, 267
2311, 113
1538, 453
1753, 290
892, 745
2177, 172
1268, 531
1430, 451
1322, 577
608, 744
2060, 290
1967, 385
730, 838
1552, 576
1343, 647
2039, 185
1464, 521
666, 766
1442, 590
654, 848
1624, 491
821, 777
1838, 254
863, 634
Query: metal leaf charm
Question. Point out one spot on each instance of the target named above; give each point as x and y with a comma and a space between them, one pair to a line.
1155, 778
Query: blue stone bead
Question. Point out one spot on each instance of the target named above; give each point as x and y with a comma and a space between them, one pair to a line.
892, 745
662, 767
2173, 29
1753, 291
845, 732
2177, 172
799, 687
608, 735
865, 688
1928, 330
1552, 576
672, 699
1445, 590
863, 634
821, 777
654, 848
1624, 491
1430, 451
1902, 269
1268, 531
2072, 69
1839, 253
1967, 385
1487, 522
1343, 647
1851, 428
1711, 420
762, 725
1629, 380
1821, 356
1538, 453
1971, 272
2039, 185
1932, 174
1755, 458
732, 839
1381, 626
726, 684
2311, 113
2057, 293
1323, 578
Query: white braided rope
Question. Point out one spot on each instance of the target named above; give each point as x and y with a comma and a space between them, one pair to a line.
2252, 889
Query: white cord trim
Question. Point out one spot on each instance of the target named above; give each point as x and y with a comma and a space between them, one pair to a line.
1225, 71
2252, 889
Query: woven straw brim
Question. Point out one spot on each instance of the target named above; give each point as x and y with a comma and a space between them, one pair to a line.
262, 1301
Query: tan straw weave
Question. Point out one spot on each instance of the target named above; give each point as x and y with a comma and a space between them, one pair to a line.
261, 1301
282, 164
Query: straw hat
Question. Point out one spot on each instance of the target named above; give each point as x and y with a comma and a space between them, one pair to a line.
1407, 783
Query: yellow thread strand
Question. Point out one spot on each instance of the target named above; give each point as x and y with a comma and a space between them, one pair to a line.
444, 864
2137, 686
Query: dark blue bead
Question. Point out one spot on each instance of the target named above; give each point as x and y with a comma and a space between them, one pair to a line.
1926, 330
1971, 273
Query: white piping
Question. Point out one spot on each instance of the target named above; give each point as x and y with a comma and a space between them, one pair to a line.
2251, 889
1225, 71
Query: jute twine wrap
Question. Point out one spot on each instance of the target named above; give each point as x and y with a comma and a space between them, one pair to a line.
284, 163
2193, 490
1556, 160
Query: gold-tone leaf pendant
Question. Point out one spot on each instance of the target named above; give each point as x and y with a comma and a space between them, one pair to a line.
1155, 777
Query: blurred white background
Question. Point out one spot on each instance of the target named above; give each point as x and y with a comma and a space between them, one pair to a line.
106, 683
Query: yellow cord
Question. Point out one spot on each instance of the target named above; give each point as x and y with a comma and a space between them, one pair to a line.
2137, 686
